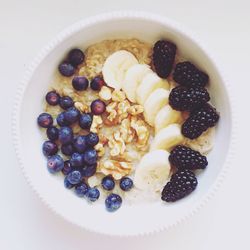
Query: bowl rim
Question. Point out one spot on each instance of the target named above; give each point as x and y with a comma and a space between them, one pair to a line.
89, 21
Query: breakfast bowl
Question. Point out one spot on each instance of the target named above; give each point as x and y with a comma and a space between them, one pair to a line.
133, 218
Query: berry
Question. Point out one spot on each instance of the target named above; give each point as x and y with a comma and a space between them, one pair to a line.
67, 184
92, 139
163, 57
67, 149
126, 183
74, 177
80, 143
183, 157
80, 83
199, 121
66, 135
71, 115
89, 170
61, 120
182, 183
52, 98
85, 120
66, 102
93, 194
98, 107
45, 120
188, 75
184, 99
90, 156
108, 183
76, 57
77, 160
52, 133
113, 202
81, 189
67, 168
55, 163
97, 83
49, 148
66, 69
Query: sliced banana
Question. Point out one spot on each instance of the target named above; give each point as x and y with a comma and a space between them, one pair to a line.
133, 79
167, 137
153, 171
116, 66
157, 99
150, 82
166, 116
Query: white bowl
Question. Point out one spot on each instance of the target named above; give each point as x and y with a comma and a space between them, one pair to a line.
129, 220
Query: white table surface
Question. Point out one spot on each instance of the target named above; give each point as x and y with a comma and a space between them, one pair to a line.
26, 223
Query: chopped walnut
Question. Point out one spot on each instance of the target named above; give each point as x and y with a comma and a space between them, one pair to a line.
115, 168
96, 124
118, 96
105, 93
135, 109
116, 144
100, 149
82, 107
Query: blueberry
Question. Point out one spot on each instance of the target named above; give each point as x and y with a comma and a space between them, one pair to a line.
80, 143
49, 148
92, 139
93, 194
67, 184
66, 102
126, 183
89, 170
77, 160
61, 120
65, 135
98, 107
90, 156
74, 177
67, 168
71, 115
80, 83
52, 133
97, 83
67, 149
108, 183
66, 69
85, 120
113, 202
52, 98
55, 163
76, 57
81, 189
45, 120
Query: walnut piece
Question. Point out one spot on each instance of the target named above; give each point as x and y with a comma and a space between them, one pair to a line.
105, 93
96, 124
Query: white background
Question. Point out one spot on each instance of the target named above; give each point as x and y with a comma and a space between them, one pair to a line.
25, 222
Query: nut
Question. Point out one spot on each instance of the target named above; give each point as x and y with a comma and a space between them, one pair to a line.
115, 168
135, 109
81, 106
100, 149
96, 124
116, 144
105, 93
118, 96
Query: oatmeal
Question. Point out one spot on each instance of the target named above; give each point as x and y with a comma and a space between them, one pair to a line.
132, 122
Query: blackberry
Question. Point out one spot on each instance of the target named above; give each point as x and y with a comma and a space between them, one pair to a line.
183, 157
199, 121
188, 75
184, 99
163, 57
181, 184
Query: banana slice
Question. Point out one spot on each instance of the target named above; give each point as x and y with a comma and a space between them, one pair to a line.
153, 171
116, 66
150, 82
133, 78
156, 100
167, 137
166, 116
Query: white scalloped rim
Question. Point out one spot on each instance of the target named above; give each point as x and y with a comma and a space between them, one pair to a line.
86, 23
